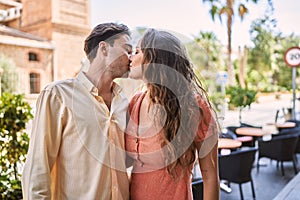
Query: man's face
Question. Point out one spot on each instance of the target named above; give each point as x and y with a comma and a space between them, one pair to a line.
118, 56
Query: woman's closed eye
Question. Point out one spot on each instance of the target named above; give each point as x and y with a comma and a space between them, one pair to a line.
137, 50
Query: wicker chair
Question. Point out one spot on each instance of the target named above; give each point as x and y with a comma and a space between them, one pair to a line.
281, 148
197, 187
237, 166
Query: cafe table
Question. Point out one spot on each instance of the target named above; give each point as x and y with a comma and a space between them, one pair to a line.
285, 125
226, 143
250, 131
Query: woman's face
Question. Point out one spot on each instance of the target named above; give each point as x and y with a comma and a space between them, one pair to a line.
136, 63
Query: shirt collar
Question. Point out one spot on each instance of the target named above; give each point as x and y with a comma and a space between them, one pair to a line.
90, 86
87, 83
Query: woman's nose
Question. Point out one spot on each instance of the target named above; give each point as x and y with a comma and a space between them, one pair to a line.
130, 57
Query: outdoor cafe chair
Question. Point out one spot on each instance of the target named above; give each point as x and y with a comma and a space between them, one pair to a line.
295, 130
237, 166
197, 188
280, 148
243, 124
297, 149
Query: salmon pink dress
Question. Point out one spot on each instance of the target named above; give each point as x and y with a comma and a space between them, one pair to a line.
150, 178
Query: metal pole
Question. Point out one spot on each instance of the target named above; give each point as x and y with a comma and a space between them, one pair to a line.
294, 92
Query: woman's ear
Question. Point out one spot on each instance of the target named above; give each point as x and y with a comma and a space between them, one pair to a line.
103, 48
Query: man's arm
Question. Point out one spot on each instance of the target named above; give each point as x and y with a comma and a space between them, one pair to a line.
43, 148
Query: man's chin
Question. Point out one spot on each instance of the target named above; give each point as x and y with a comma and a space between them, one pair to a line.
125, 75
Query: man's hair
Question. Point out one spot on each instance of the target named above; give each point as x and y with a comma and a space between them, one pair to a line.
103, 32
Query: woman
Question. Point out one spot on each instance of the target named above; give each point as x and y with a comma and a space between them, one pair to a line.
171, 123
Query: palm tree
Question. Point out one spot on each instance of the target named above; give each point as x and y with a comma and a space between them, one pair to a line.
226, 7
205, 52
211, 45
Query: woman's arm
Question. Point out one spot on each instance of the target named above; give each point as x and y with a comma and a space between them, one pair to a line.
210, 174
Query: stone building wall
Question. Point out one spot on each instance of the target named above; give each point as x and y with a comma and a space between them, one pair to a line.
66, 23
36, 18
20, 55
55, 30
69, 54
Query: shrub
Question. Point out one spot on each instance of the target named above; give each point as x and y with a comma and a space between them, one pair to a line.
241, 97
14, 141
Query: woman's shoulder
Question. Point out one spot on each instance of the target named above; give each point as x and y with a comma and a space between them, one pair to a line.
136, 96
134, 100
202, 100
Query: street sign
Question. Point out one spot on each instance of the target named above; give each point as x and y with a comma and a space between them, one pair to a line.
222, 77
292, 57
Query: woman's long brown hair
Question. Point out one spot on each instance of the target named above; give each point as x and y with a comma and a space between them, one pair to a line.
172, 83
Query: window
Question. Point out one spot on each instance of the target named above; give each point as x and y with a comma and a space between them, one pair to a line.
32, 56
34, 83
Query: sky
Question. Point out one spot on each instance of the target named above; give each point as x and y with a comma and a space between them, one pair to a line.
189, 17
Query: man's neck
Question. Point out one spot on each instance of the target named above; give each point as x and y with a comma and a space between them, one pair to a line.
105, 85
101, 78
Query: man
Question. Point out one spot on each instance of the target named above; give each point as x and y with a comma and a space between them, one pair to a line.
76, 145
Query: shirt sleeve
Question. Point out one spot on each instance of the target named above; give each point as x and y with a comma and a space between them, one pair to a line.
44, 145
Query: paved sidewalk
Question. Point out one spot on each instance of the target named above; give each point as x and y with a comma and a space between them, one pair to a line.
291, 190
260, 112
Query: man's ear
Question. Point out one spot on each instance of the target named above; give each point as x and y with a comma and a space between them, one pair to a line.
103, 48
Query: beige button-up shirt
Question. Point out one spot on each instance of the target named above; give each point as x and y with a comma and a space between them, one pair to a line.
76, 146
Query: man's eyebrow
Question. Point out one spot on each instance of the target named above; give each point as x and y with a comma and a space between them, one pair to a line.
128, 45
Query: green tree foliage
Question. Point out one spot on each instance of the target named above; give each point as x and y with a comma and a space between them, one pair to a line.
14, 115
282, 73
206, 54
261, 56
9, 78
263, 39
213, 48
267, 70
